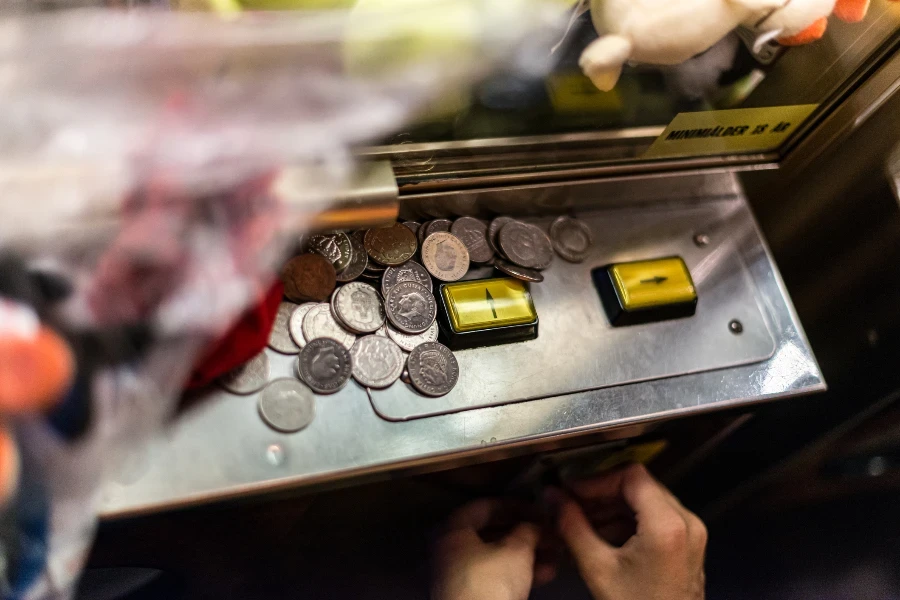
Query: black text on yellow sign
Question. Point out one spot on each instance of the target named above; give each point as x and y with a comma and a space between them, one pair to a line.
486, 312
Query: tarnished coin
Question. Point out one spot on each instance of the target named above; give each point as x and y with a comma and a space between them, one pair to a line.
320, 323
333, 246
438, 225
358, 306
572, 239
433, 369
308, 278
412, 226
280, 337
494, 230
295, 324
445, 256
391, 246
408, 271
377, 361
473, 233
325, 365
358, 261
287, 405
408, 342
526, 245
410, 307
248, 378
514, 270
420, 234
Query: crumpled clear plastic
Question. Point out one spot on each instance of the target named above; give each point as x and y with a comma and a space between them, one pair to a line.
161, 163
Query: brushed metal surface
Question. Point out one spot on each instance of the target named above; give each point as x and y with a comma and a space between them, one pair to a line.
578, 350
221, 448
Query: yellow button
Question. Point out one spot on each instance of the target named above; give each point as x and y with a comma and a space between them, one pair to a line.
488, 303
652, 283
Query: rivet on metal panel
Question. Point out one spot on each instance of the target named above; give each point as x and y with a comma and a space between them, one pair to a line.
701, 240
736, 327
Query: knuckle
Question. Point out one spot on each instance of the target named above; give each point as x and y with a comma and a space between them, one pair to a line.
671, 534
701, 533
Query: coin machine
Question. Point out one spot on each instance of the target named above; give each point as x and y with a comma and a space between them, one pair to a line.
675, 308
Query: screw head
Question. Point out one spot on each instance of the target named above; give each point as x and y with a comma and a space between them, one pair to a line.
275, 455
701, 240
735, 327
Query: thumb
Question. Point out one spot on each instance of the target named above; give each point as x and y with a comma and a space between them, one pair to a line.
590, 551
524, 537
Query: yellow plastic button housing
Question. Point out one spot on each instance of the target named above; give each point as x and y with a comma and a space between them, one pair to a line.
646, 290
487, 311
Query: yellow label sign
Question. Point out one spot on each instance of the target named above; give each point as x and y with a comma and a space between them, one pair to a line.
574, 93
729, 131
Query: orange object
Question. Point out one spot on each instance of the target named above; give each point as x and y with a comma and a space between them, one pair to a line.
810, 34
851, 11
9, 466
35, 371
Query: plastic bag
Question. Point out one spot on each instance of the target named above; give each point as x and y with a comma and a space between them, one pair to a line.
154, 167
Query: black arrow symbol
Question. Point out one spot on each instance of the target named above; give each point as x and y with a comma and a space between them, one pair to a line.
657, 280
490, 300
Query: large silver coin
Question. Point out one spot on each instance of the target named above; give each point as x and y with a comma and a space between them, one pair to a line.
445, 256
473, 233
324, 365
572, 239
408, 271
377, 361
295, 324
438, 225
359, 260
280, 336
494, 231
320, 323
249, 377
526, 245
433, 369
523, 273
409, 342
333, 246
358, 306
410, 307
287, 405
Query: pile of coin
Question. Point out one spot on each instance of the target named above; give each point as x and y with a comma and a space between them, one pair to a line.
361, 306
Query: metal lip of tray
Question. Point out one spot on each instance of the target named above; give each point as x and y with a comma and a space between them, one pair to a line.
221, 449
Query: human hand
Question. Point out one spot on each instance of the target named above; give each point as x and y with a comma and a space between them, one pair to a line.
468, 568
663, 560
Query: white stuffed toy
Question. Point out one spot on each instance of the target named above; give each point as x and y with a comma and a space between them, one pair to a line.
668, 32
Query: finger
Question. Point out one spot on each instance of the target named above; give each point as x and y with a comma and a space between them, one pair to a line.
657, 518
544, 574
591, 553
475, 515
524, 538
606, 486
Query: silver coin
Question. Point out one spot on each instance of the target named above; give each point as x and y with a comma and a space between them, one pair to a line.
377, 361
526, 245
410, 307
383, 330
249, 377
320, 323
420, 234
359, 260
473, 233
358, 307
408, 271
438, 225
514, 270
280, 336
324, 365
287, 405
333, 246
408, 342
572, 239
445, 256
412, 226
433, 369
295, 324
494, 230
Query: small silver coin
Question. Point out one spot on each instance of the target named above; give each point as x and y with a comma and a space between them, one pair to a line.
526, 245
248, 378
320, 323
473, 233
295, 324
445, 256
412, 226
287, 405
335, 247
438, 225
420, 234
280, 336
377, 361
408, 342
494, 230
514, 270
324, 365
410, 307
572, 239
433, 369
359, 260
358, 307
408, 271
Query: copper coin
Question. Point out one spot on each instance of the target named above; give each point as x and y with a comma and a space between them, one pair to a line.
494, 230
438, 225
308, 278
391, 246
473, 233
445, 256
